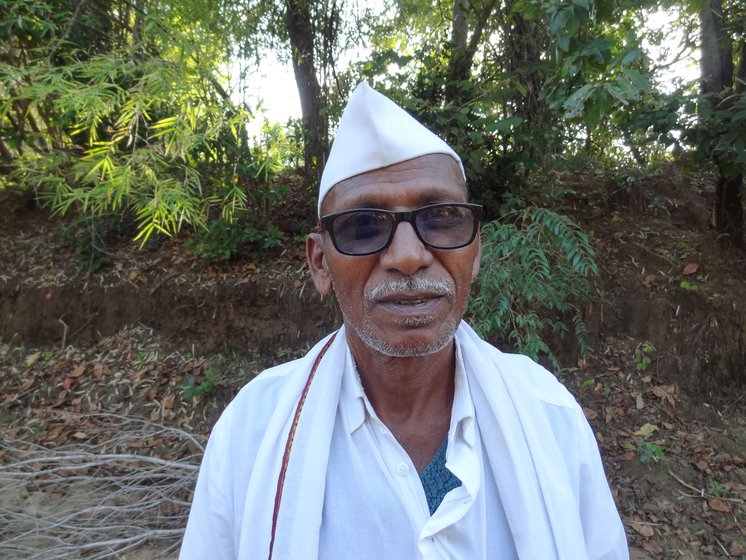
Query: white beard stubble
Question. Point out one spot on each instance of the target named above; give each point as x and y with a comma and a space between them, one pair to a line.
370, 335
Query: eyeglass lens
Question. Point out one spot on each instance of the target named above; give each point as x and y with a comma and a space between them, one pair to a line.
442, 226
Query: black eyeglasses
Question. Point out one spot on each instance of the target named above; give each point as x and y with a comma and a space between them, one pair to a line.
365, 231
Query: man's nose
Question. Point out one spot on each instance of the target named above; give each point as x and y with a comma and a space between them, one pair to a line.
406, 253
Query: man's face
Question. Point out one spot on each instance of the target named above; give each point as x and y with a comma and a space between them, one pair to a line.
408, 299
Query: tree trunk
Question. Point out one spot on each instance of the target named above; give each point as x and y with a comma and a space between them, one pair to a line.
715, 51
718, 84
729, 209
459, 31
741, 74
6, 154
525, 43
315, 125
463, 47
139, 20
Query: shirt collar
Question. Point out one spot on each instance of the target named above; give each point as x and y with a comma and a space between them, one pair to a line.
353, 402
355, 406
462, 412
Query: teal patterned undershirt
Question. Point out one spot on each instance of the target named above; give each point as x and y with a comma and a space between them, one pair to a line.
437, 480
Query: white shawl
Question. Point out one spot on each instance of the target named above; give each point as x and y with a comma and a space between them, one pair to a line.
540, 448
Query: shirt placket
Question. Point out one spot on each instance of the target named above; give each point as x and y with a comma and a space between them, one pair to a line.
403, 474
457, 503
462, 459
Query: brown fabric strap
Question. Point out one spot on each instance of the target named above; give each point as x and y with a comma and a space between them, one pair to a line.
289, 444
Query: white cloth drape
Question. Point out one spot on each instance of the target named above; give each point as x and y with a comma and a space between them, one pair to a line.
551, 480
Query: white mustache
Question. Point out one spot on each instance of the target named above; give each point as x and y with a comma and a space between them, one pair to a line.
413, 284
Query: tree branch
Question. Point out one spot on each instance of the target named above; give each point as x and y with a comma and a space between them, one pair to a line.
68, 30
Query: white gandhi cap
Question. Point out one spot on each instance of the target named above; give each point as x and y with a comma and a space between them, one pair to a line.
374, 132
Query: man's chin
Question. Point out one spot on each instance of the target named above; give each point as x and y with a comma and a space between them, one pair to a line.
408, 344
414, 321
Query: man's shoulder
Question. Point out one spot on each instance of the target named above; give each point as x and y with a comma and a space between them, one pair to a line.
270, 381
261, 407
525, 376
535, 378
265, 390
248, 415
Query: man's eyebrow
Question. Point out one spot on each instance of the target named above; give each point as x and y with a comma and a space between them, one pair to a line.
430, 197
366, 203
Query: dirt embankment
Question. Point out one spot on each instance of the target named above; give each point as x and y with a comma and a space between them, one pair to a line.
248, 316
663, 387
248, 308
665, 283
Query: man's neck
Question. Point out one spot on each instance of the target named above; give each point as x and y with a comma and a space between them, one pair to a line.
413, 397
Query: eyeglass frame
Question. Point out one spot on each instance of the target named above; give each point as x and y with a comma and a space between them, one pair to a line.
326, 222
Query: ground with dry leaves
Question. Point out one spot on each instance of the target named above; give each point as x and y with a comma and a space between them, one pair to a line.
110, 381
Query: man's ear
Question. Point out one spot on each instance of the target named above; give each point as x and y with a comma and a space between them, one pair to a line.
475, 266
322, 279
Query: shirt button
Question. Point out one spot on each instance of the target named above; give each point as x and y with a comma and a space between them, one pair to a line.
402, 469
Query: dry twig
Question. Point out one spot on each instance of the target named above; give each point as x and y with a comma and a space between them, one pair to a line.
95, 500
700, 492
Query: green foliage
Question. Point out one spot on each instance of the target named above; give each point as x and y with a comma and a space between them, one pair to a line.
720, 129
222, 240
716, 488
588, 383
535, 273
687, 122
600, 73
688, 286
125, 107
551, 80
205, 385
87, 237
133, 159
475, 128
642, 355
481, 115
649, 452
142, 128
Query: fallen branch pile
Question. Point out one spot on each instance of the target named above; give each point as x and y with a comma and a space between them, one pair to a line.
97, 499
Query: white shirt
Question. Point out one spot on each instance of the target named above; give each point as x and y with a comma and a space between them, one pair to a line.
375, 506
513, 427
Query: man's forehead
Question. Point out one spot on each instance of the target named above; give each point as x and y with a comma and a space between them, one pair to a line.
422, 180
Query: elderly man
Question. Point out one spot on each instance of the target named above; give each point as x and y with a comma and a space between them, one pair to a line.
403, 435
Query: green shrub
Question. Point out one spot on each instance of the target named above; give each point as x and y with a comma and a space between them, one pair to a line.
642, 355
88, 237
224, 240
649, 452
535, 271
199, 387
688, 286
